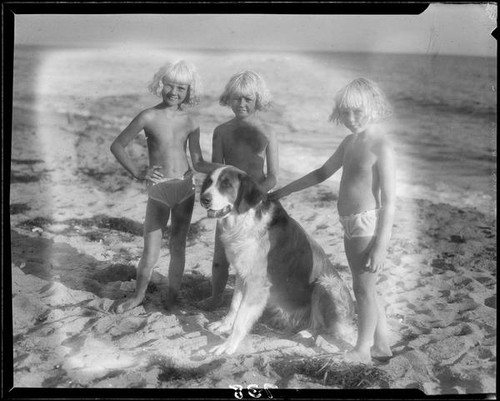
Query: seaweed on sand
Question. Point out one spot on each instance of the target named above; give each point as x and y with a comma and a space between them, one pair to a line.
112, 223
36, 222
17, 208
170, 371
332, 372
25, 178
100, 221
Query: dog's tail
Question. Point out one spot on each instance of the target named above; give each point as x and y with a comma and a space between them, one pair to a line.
296, 319
332, 306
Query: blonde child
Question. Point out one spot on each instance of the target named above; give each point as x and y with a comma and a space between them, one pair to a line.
247, 143
365, 204
169, 127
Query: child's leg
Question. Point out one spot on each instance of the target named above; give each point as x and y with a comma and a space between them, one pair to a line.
156, 220
181, 219
381, 347
371, 318
220, 273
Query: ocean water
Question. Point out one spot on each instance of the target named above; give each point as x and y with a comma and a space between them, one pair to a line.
443, 128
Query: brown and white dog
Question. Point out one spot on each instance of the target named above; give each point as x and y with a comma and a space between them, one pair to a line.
277, 264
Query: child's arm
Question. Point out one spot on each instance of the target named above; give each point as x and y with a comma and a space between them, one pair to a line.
333, 164
199, 163
217, 149
386, 171
121, 142
272, 161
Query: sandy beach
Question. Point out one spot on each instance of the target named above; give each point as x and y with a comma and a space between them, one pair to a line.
76, 237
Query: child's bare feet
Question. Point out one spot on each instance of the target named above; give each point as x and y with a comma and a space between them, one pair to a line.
381, 353
210, 303
170, 299
127, 305
356, 356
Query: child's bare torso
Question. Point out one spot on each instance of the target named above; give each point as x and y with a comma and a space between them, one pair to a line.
244, 146
360, 185
167, 134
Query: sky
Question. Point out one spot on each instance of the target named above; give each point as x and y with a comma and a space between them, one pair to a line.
463, 29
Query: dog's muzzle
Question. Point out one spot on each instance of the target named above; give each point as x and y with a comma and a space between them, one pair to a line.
219, 213
206, 202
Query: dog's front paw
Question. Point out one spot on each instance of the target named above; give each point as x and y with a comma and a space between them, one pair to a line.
220, 327
227, 347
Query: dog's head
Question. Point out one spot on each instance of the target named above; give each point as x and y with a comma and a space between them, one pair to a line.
227, 190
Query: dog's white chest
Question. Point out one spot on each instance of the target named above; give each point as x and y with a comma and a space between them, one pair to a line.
246, 244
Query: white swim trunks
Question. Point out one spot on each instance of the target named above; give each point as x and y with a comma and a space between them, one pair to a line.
362, 224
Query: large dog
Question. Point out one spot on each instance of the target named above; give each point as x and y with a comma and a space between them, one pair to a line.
277, 264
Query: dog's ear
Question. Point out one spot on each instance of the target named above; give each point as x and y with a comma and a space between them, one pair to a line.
249, 194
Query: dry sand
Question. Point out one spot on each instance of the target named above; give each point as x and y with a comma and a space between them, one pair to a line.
76, 224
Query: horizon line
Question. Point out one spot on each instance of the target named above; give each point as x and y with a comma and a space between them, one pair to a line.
252, 50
